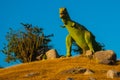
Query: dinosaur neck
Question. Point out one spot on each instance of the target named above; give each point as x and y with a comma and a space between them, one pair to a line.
65, 21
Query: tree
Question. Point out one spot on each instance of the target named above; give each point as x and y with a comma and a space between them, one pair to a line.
27, 44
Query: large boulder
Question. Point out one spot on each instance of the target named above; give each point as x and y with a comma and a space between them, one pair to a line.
52, 54
105, 57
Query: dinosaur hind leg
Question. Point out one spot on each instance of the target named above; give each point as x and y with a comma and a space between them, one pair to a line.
88, 40
68, 45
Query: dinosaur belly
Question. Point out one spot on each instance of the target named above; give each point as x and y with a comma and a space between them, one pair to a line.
78, 37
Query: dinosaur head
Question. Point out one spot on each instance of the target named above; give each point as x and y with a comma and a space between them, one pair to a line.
63, 13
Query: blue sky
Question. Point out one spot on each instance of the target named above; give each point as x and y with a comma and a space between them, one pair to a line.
101, 17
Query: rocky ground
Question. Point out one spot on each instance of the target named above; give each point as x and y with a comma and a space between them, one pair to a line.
72, 68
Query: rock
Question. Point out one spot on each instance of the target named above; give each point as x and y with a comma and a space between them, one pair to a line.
69, 79
74, 71
105, 57
82, 70
52, 54
112, 74
88, 72
88, 53
78, 71
31, 74
91, 78
108, 62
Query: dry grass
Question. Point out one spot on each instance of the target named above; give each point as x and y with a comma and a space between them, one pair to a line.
51, 70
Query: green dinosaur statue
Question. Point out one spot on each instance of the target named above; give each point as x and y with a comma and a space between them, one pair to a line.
78, 34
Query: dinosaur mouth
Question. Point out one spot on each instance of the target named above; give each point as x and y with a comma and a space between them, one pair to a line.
61, 15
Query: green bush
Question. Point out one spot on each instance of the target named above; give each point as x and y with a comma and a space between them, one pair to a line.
25, 45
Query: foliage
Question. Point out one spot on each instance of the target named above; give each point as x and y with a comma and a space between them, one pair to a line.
27, 44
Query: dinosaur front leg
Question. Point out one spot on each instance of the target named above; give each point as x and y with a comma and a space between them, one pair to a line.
68, 45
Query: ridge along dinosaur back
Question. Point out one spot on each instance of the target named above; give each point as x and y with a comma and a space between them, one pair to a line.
78, 34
